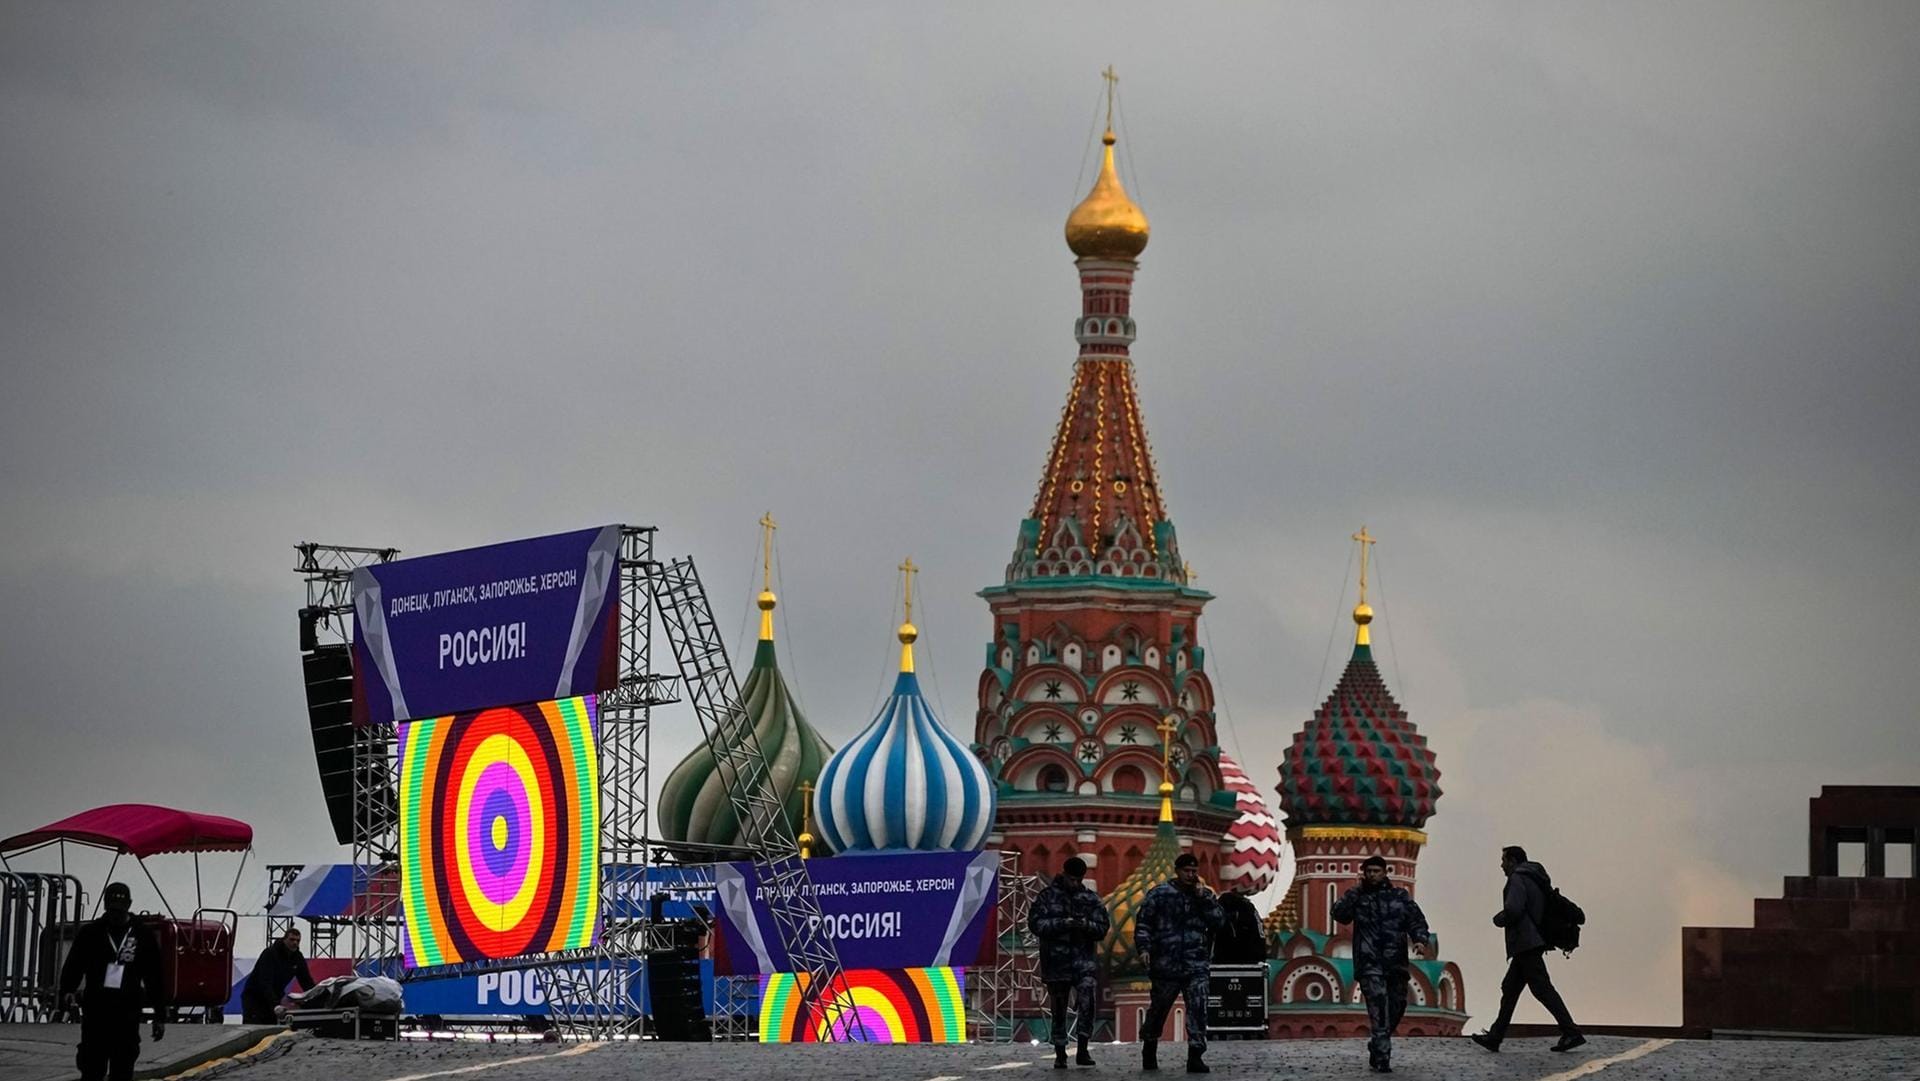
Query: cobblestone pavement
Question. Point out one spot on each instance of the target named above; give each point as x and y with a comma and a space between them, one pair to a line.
1451, 1059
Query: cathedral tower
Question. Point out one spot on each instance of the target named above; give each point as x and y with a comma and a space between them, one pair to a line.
1094, 628
1358, 781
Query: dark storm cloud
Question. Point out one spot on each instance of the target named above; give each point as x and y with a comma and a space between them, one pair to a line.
1601, 318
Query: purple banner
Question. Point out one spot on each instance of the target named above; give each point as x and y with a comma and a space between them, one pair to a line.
906, 910
525, 621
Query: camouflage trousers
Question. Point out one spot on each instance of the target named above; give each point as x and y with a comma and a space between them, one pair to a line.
1085, 993
1194, 991
1386, 1001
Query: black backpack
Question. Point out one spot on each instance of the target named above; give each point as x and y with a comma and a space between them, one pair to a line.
1560, 922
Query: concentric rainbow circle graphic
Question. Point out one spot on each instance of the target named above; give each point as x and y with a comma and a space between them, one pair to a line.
895, 1005
499, 832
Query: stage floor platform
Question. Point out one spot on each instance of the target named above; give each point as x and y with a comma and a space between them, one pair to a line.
45, 1052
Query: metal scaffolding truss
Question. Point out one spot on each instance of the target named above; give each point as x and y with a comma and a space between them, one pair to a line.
591, 993
279, 877
995, 990
323, 933
825, 1002
374, 929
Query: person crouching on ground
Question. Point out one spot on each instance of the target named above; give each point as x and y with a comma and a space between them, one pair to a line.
1070, 921
1523, 905
1173, 937
1385, 918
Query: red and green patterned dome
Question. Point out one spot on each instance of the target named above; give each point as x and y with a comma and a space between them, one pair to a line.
1359, 761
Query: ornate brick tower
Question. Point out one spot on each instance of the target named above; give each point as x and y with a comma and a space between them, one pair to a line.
1094, 628
1358, 781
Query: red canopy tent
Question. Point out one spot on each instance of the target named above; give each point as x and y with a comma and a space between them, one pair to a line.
140, 830
196, 953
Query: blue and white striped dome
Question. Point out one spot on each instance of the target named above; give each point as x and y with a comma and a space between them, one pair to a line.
904, 783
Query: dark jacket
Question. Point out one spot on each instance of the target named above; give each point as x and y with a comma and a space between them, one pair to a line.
1070, 920
1175, 928
277, 966
1241, 941
95, 947
1523, 905
1384, 919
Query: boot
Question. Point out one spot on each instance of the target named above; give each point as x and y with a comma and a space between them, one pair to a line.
1082, 1058
1570, 1041
1059, 1056
1194, 1065
1485, 1040
1149, 1055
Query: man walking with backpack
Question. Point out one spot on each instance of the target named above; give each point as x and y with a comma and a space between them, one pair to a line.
1385, 918
1070, 921
1532, 916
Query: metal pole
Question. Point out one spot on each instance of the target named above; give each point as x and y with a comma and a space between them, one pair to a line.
235, 888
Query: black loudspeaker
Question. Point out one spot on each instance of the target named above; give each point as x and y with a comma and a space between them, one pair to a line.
310, 629
673, 987
329, 675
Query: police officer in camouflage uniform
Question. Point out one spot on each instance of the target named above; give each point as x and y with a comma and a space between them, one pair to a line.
1070, 920
1385, 918
1173, 935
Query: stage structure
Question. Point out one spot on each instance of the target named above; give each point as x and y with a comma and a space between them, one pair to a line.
997, 989
322, 935
326, 629
592, 991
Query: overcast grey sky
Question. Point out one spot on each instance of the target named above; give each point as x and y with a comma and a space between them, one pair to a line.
1601, 317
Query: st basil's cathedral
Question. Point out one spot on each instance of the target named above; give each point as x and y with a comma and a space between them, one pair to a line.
1095, 734
1097, 717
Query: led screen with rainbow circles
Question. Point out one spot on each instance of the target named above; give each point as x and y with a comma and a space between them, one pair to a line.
499, 832
895, 1005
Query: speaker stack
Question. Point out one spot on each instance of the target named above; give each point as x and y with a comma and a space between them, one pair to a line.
328, 669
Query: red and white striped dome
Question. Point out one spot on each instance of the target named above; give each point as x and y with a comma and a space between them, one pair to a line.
1255, 844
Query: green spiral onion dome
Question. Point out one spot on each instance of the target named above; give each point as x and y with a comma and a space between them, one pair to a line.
693, 804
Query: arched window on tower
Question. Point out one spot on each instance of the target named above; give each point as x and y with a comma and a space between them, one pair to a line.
1053, 779
1129, 779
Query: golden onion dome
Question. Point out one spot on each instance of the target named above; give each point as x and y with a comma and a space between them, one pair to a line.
1107, 224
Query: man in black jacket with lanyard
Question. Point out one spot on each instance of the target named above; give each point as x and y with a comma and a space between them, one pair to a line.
120, 962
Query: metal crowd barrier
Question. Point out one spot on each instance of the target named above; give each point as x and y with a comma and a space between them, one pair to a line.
30, 905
